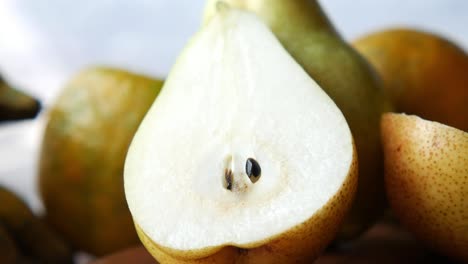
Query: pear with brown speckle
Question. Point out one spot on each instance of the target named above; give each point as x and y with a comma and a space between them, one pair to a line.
426, 174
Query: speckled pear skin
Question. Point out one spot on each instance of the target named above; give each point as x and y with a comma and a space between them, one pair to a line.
426, 175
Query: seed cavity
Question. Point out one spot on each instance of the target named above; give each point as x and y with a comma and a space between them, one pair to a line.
253, 170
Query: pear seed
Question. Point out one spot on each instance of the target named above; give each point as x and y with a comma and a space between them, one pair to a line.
228, 178
253, 170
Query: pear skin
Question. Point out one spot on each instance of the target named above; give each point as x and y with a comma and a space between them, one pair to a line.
426, 176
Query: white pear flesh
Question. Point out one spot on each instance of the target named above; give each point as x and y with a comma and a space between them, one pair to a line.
234, 94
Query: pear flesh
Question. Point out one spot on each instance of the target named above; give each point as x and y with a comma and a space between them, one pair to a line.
240, 148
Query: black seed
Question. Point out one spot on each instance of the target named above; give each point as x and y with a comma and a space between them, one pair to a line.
252, 168
228, 178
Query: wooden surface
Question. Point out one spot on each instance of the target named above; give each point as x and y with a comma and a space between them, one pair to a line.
385, 243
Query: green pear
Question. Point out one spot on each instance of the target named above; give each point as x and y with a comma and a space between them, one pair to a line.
15, 104
88, 131
307, 34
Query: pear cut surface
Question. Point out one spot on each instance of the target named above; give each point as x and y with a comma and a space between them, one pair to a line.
240, 146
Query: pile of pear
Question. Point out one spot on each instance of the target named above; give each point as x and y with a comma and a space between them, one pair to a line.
415, 159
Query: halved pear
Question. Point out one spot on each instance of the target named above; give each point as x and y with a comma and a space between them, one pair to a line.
242, 158
426, 174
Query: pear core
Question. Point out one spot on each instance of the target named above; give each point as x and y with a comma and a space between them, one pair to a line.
235, 94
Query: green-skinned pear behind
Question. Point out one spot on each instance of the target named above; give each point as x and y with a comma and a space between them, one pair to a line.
308, 35
86, 139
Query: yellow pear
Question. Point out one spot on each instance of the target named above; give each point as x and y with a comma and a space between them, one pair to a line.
424, 74
426, 175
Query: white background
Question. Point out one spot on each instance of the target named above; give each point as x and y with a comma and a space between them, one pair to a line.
43, 42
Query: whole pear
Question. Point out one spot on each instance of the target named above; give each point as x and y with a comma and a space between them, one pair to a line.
88, 132
308, 35
424, 74
426, 176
